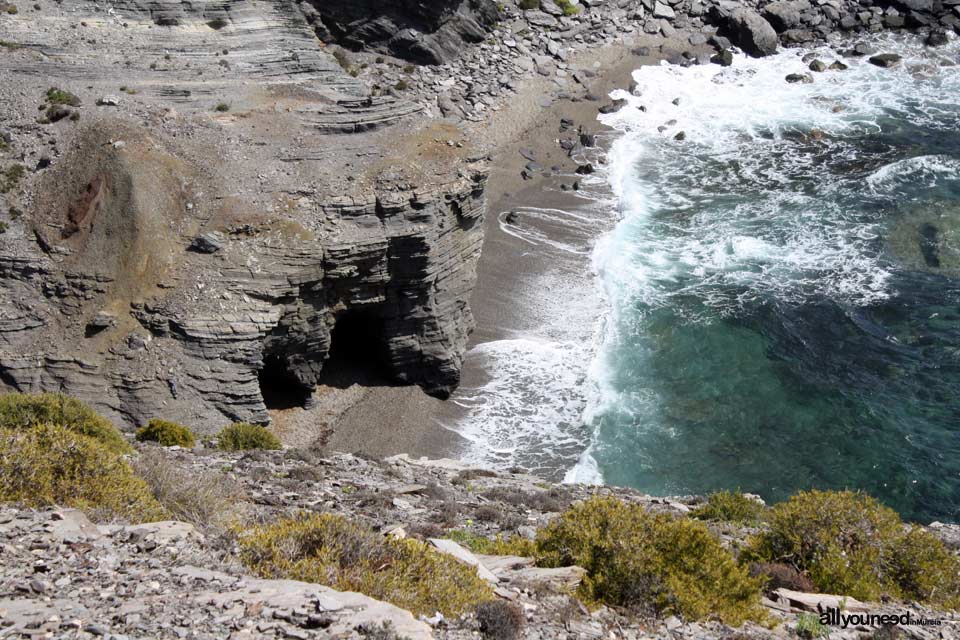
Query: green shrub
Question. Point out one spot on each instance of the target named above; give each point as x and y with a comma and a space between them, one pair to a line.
402, 85
52, 465
332, 550
809, 626
568, 8
651, 562
499, 546
3, 227
241, 436
730, 507
529, 4
60, 96
168, 434
222, 107
850, 544
24, 410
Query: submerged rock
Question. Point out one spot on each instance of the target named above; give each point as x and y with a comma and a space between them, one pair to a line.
885, 60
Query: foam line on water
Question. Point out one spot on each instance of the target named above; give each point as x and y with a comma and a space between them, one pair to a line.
726, 216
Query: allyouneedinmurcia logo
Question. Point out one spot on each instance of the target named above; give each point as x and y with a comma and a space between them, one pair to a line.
834, 617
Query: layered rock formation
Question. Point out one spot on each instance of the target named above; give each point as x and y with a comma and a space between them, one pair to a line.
423, 32
210, 204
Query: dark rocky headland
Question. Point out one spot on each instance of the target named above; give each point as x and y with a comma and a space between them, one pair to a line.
219, 212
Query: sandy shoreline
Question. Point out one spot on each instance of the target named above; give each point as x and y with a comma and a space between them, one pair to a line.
390, 420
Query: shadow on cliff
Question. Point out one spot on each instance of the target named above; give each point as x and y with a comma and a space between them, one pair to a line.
356, 357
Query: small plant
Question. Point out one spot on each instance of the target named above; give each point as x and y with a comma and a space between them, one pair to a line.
51, 465
60, 96
12, 9
167, 434
217, 23
568, 8
409, 69
851, 544
222, 107
241, 436
334, 551
529, 5
651, 562
729, 506
3, 227
20, 411
810, 627
500, 620
10, 176
401, 86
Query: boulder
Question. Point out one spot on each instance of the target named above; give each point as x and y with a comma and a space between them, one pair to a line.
784, 14
748, 30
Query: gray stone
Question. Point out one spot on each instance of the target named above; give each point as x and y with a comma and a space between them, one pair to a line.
749, 31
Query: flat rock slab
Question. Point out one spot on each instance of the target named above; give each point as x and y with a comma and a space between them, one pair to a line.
800, 601
350, 610
464, 555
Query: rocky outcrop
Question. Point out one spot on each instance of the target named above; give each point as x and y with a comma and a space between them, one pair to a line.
238, 222
422, 32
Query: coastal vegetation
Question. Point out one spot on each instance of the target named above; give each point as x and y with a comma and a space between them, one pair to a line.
48, 464
650, 562
55, 450
730, 506
166, 433
241, 436
848, 543
332, 550
21, 411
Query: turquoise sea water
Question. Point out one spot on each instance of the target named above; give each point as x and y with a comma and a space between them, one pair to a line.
784, 285
770, 303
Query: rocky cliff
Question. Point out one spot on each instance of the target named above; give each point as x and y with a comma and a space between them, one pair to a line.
423, 32
204, 214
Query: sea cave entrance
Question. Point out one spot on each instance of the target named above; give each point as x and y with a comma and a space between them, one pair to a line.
358, 353
279, 387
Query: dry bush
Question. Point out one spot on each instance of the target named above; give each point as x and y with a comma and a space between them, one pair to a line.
335, 551
778, 575
52, 465
24, 410
209, 500
499, 620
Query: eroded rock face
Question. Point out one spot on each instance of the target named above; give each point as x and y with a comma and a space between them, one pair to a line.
332, 214
422, 32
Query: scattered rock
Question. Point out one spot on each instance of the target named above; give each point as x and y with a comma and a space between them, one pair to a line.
885, 60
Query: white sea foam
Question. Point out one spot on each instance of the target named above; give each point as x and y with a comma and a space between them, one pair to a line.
727, 216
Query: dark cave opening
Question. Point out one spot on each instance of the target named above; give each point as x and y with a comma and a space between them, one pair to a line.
357, 351
280, 388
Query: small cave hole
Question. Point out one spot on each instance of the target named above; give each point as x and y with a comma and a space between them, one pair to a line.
357, 353
280, 389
